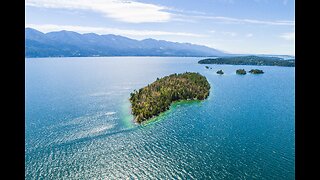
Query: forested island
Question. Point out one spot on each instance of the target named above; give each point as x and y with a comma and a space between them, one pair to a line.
220, 72
250, 60
256, 71
241, 71
157, 97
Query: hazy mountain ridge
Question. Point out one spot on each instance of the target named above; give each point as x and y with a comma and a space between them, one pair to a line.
73, 44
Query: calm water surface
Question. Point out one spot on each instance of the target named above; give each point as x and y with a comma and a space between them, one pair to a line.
78, 123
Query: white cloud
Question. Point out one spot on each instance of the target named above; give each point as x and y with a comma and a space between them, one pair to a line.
244, 21
249, 35
137, 12
121, 10
228, 20
212, 31
105, 30
288, 36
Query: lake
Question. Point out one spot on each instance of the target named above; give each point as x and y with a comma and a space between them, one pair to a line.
78, 123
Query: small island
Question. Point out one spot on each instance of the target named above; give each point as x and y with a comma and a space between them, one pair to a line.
250, 60
157, 97
207, 67
256, 71
220, 72
241, 71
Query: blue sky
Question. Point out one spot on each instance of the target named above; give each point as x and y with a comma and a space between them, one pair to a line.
235, 26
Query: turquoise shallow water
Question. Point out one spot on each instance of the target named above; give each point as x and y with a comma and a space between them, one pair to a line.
78, 123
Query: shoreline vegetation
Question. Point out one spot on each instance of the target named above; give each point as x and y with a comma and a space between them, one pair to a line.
250, 60
151, 100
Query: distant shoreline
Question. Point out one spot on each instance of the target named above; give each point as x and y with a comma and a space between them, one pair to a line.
250, 60
148, 56
113, 56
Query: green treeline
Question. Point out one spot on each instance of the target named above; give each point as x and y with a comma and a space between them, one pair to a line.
250, 60
155, 98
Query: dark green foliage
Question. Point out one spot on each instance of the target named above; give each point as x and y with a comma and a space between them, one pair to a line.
220, 72
155, 98
207, 67
250, 60
241, 71
256, 71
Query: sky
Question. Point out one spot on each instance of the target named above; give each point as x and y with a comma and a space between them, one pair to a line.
233, 26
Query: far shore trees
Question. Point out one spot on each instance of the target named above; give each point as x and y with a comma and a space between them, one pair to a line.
250, 60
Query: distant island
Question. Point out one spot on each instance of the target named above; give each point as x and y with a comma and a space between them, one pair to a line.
157, 97
256, 71
250, 60
220, 72
241, 71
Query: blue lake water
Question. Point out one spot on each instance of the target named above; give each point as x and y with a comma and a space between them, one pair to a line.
78, 123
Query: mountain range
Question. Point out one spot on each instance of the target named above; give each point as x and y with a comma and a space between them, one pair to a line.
72, 44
